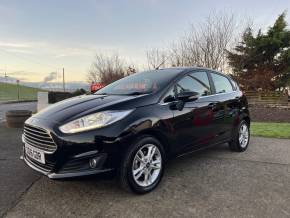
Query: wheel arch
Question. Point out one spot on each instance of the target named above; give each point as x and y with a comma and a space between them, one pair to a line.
244, 114
160, 137
248, 120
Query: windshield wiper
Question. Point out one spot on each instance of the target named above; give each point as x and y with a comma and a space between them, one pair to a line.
138, 93
101, 93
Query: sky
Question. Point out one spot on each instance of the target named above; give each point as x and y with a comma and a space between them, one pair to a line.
41, 37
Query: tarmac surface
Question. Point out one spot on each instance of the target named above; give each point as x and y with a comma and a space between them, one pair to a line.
211, 183
15, 178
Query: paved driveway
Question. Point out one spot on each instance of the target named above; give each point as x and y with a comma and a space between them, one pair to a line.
212, 183
15, 178
16, 106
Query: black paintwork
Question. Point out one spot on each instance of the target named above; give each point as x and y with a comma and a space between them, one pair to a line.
209, 120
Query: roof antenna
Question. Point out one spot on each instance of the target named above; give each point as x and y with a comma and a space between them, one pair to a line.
165, 59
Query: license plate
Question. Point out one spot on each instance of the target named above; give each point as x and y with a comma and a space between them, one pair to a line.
34, 153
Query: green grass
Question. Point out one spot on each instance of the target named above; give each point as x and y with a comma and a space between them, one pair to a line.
272, 130
9, 92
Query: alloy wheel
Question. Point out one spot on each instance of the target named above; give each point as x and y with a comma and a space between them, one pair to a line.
243, 135
147, 165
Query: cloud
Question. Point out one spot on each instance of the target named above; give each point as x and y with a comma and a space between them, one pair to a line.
19, 47
62, 55
50, 77
22, 72
73, 53
69, 52
14, 45
18, 50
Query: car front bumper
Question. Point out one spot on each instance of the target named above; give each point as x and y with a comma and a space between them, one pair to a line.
75, 167
60, 175
70, 155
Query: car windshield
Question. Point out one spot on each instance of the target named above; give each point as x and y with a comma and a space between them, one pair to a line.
139, 83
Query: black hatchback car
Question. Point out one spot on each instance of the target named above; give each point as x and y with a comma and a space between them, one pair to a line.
135, 124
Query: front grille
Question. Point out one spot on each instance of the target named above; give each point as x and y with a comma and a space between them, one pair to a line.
39, 138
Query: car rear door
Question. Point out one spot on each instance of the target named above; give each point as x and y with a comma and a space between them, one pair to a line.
225, 107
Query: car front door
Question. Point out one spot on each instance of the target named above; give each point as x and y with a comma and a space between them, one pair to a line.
193, 123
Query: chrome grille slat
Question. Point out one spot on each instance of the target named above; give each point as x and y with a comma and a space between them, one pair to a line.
41, 147
37, 131
30, 133
45, 148
39, 138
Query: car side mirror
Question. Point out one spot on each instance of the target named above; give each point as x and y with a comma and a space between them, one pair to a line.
187, 96
169, 98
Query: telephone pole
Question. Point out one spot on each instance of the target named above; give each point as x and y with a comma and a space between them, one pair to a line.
18, 89
63, 81
5, 77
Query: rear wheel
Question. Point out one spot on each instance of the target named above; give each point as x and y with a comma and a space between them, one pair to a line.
142, 166
241, 137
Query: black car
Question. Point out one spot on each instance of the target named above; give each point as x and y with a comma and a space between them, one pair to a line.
135, 124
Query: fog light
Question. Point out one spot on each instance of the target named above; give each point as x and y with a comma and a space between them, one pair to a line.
93, 162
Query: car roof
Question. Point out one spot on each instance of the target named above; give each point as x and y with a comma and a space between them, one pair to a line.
184, 70
181, 69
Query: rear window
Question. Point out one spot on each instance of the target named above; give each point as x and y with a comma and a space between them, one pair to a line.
221, 83
235, 85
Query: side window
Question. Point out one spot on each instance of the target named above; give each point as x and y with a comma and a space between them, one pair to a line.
195, 82
235, 85
202, 83
185, 84
221, 83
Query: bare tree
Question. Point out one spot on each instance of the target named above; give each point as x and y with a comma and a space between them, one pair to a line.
205, 44
107, 69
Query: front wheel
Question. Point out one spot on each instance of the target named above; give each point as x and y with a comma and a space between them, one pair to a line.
241, 137
142, 166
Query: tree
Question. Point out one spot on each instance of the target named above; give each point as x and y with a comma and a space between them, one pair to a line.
205, 45
107, 69
156, 58
262, 61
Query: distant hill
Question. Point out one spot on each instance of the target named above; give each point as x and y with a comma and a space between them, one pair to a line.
7, 79
52, 86
10, 92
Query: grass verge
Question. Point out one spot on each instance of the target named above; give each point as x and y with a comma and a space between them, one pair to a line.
272, 130
10, 92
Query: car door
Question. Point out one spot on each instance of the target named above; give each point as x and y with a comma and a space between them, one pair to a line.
226, 108
192, 124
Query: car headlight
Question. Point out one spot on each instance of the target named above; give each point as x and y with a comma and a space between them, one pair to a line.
93, 121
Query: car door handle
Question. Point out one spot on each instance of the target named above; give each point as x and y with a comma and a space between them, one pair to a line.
212, 106
238, 98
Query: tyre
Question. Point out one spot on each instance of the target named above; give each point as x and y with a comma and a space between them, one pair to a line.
241, 137
142, 166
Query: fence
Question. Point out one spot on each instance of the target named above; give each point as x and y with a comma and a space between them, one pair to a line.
267, 98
